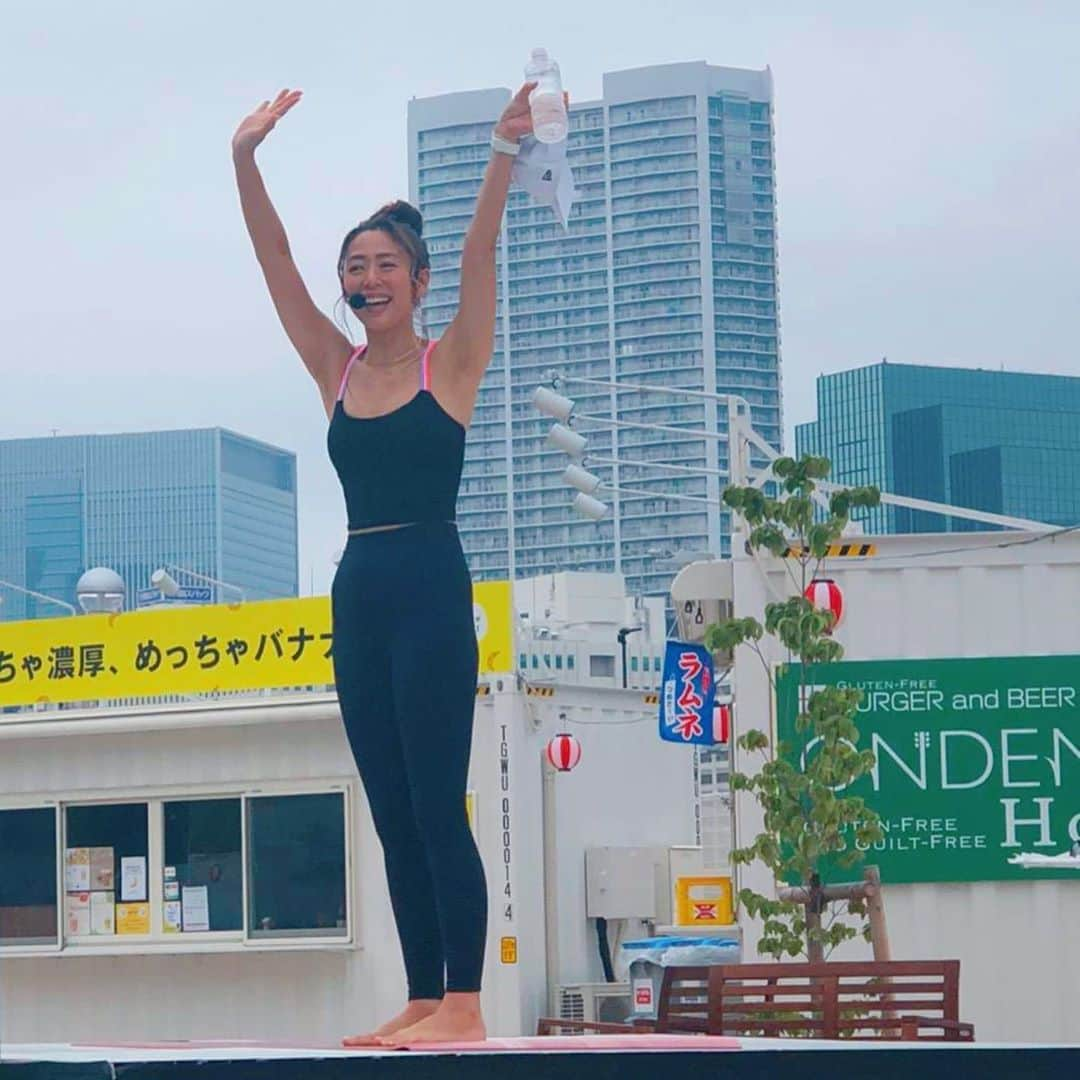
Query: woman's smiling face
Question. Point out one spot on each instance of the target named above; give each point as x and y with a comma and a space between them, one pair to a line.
380, 270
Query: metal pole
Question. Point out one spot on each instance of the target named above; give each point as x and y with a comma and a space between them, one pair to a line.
946, 510
660, 495
623, 634
675, 391
38, 595
206, 578
549, 826
690, 469
694, 433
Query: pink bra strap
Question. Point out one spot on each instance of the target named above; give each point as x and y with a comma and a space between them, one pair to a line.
348, 367
425, 367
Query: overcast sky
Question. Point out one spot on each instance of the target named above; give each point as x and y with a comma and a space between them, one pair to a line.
928, 183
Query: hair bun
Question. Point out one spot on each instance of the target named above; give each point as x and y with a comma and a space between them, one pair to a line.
405, 214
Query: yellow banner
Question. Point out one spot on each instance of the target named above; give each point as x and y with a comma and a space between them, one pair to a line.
493, 614
203, 649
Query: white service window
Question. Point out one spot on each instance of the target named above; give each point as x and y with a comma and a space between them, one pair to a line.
101, 840
297, 864
204, 869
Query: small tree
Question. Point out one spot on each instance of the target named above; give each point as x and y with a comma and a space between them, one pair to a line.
807, 819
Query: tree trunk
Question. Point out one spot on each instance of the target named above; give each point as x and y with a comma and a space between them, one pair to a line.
815, 951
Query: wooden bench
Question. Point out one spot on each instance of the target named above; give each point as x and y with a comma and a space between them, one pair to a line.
902, 1000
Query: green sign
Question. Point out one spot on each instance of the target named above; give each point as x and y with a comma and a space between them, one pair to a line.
978, 761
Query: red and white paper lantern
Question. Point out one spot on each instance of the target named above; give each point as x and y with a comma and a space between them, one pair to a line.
825, 595
564, 752
722, 724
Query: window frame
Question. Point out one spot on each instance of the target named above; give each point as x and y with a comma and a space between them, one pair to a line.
157, 942
42, 948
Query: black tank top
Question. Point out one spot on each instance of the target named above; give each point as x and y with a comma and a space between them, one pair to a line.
401, 467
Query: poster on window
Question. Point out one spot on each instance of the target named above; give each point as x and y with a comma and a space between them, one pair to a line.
196, 908
101, 869
171, 917
132, 878
133, 918
77, 870
102, 913
77, 914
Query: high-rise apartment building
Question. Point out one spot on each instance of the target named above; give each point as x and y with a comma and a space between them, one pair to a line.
667, 275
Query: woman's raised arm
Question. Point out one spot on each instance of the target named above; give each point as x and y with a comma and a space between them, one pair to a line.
319, 342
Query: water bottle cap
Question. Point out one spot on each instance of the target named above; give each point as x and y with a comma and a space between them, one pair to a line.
539, 56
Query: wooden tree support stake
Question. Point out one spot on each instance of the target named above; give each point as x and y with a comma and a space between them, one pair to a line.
869, 889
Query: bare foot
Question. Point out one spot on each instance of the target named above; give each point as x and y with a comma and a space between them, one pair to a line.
414, 1012
456, 1020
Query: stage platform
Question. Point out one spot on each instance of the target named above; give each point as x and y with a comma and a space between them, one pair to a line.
635, 1057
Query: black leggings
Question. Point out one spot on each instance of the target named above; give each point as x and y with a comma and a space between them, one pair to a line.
405, 663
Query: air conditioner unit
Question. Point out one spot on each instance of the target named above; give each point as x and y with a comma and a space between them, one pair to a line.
605, 1002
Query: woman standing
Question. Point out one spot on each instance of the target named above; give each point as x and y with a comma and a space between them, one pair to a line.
405, 653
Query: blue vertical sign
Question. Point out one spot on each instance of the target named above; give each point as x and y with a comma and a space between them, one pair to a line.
687, 695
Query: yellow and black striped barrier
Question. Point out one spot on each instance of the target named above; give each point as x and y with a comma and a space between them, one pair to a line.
834, 551
540, 691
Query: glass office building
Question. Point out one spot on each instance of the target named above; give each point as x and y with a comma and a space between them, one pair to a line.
666, 275
1005, 442
208, 500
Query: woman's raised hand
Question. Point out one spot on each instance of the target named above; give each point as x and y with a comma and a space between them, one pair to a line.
254, 128
516, 120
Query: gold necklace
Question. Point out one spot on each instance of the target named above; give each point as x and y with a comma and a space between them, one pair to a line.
398, 360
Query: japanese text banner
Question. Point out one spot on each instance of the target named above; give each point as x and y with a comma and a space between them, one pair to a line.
687, 695
200, 649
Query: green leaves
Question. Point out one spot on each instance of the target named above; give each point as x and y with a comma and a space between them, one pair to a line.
769, 537
724, 636
842, 502
801, 628
810, 822
753, 740
748, 502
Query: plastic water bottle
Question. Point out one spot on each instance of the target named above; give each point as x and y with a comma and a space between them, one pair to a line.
546, 99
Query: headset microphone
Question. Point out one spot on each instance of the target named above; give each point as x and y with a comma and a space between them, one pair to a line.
357, 301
